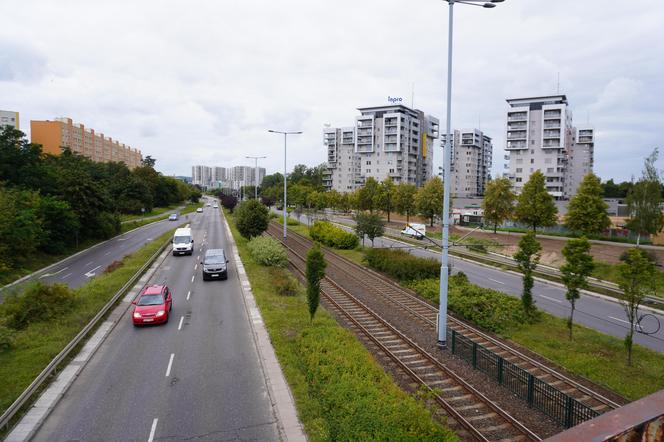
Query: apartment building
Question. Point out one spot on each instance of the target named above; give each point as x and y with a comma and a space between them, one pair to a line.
201, 175
389, 142
62, 132
246, 176
9, 118
541, 136
472, 157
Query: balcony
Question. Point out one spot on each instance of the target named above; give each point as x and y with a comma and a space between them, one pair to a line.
552, 114
522, 135
551, 134
517, 126
552, 124
551, 144
585, 140
521, 116
514, 145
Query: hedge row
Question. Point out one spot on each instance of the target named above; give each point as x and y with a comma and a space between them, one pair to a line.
268, 251
402, 265
333, 236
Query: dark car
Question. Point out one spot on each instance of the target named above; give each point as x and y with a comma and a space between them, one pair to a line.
215, 264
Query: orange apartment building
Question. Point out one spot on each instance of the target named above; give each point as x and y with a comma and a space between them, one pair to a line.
62, 132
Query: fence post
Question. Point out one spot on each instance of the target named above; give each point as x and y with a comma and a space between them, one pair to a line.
453, 341
500, 370
531, 389
568, 411
474, 354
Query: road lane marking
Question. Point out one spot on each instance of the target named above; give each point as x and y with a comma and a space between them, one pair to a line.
91, 273
66, 276
181, 321
46, 275
495, 280
170, 364
195, 266
188, 293
551, 299
192, 278
88, 264
198, 258
153, 429
107, 253
621, 320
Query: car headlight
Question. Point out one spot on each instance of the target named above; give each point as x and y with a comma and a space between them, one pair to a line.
137, 315
160, 313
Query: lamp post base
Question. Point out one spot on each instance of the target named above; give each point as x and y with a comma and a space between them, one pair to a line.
442, 345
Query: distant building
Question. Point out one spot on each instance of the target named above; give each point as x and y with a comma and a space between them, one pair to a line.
62, 132
540, 135
388, 141
201, 175
226, 177
9, 118
240, 176
472, 153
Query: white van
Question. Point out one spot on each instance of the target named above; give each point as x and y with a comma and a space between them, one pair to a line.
183, 242
415, 230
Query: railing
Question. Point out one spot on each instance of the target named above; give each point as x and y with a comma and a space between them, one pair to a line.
539, 395
52, 367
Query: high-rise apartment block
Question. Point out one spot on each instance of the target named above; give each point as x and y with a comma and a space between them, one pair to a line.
9, 118
246, 176
541, 136
226, 177
472, 153
388, 142
62, 132
201, 176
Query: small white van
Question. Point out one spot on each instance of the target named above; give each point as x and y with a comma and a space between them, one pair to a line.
183, 242
415, 230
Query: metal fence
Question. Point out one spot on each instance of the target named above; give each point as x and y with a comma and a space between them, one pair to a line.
539, 395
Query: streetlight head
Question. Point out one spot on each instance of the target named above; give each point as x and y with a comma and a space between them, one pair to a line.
273, 131
489, 5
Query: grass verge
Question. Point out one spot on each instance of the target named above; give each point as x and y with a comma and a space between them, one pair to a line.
341, 392
40, 342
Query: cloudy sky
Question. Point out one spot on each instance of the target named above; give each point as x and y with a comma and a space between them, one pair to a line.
200, 82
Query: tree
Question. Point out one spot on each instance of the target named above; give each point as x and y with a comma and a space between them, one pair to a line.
498, 202
404, 199
643, 201
369, 224
315, 272
251, 218
367, 195
576, 270
228, 201
385, 196
587, 211
535, 206
527, 258
613, 190
636, 278
429, 199
148, 161
60, 225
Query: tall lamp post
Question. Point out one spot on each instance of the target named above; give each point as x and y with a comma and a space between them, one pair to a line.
447, 154
286, 133
255, 174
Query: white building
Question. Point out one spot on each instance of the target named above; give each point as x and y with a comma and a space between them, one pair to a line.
472, 152
201, 175
9, 118
541, 136
240, 176
389, 142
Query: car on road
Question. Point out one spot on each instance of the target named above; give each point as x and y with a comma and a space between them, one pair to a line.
199, 210
153, 305
214, 264
173, 217
183, 241
208, 204
215, 206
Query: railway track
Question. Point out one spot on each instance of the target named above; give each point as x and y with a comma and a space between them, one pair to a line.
426, 314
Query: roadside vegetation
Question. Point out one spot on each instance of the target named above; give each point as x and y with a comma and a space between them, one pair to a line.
189, 208
37, 323
341, 393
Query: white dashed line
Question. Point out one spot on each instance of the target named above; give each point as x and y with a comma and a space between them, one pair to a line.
195, 266
170, 364
107, 253
621, 320
153, 429
66, 276
551, 299
495, 280
88, 264
188, 293
181, 321
192, 278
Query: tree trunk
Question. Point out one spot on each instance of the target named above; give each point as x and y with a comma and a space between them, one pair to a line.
570, 324
495, 228
638, 238
432, 220
388, 215
407, 217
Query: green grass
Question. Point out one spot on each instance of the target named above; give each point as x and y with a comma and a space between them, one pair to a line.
40, 342
609, 272
341, 392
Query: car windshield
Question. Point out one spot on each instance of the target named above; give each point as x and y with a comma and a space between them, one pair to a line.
182, 239
214, 259
151, 300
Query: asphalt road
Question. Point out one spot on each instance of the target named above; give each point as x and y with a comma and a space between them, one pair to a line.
599, 314
196, 377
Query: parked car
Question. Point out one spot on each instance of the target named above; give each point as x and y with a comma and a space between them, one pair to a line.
183, 242
214, 264
153, 305
199, 210
173, 217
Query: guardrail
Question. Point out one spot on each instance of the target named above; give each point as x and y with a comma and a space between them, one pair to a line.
43, 377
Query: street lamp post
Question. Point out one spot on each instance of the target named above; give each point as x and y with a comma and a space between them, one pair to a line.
286, 133
255, 174
447, 155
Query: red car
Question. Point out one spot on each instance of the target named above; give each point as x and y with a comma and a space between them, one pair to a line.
153, 305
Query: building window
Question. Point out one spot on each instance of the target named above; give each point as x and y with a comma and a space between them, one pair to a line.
532, 161
519, 179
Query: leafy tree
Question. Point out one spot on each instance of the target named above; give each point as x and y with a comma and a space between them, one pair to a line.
334, 200
527, 258
367, 195
576, 270
535, 206
386, 196
636, 278
229, 202
498, 202
643, 201
148, 161
315, 272
195, 195
369, 224
20, 226
274, 180
613, 190
429, 199
20, 160
587, 211
60, 225
404, 199
251, 218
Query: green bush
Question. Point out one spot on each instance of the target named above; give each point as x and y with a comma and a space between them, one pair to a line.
332, 236
401, 265
268, 251
284, 284
37, 303
7, 338
251, 218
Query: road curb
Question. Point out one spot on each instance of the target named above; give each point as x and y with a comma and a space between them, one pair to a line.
49, 398
290, 427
